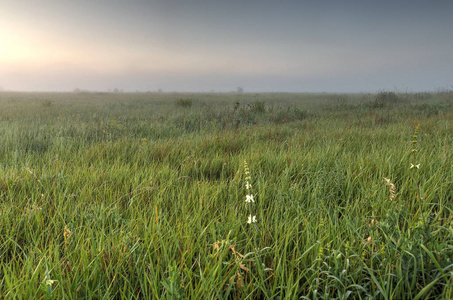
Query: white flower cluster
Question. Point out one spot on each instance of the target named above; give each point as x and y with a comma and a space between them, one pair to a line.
249, 198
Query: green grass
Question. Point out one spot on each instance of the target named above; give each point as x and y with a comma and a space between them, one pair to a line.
142, 196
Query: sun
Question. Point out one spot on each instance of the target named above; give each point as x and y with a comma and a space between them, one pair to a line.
19, 49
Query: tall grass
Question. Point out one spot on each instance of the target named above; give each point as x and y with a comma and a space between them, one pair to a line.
130, 196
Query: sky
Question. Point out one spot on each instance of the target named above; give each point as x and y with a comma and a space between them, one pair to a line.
213, 45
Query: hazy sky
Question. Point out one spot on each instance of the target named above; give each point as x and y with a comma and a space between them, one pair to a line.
195, 45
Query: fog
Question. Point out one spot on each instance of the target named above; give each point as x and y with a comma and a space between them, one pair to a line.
294, 46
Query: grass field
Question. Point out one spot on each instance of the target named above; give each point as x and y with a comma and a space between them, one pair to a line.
149, 196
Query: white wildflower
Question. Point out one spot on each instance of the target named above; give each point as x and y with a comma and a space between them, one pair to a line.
249, 198
415, 166
248, 185
251, 219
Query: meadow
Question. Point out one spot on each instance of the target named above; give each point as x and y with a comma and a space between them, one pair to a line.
226, 196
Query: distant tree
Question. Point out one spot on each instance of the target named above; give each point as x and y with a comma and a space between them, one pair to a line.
239, 89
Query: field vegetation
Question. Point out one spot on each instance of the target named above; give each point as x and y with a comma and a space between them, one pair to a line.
226, 196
